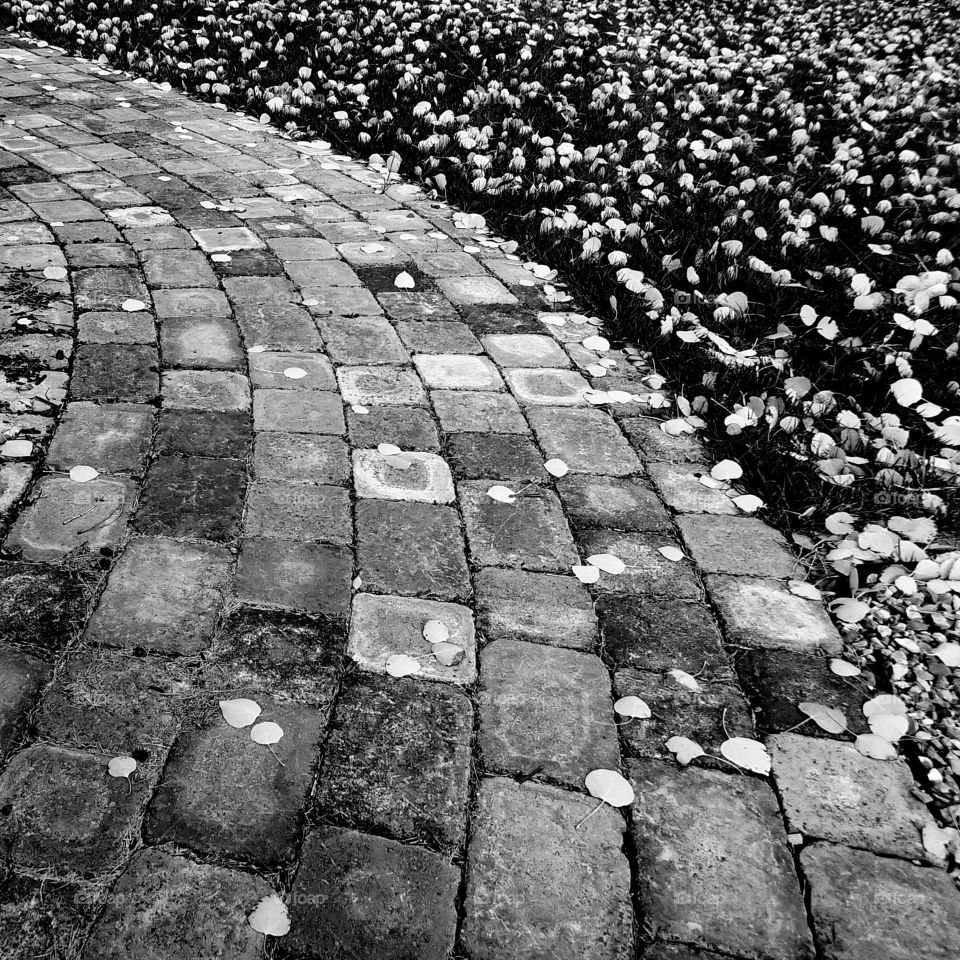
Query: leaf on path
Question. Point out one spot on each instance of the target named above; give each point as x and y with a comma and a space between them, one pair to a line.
684, 679
501, 494
270, 917
884, 703
726, 470
890, 726
556, 468
673, 554
266, 733
684, 749
608, 563
400, 665
294, 373
132, 305
404, 281
17, 449
632, 707
808, 591
55, 273
241, 712
874, 747
586, 573
448, 654
121, 767
596, 343
82, 474
748, 503
436, 631
747, 753
843, 668
610, 787
826, 718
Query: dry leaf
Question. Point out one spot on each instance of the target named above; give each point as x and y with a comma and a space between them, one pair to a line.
400, 665
748, 503
750, 754
940, 841
404, 281
610, 787
684, 749
359, 408
270, 917
870, 745
848, 610
826, 718
121, 767
294, 373
17, 449
436, 631
608, 563
55, 273
448, 654
726, 470
556, 468
132, 305
266, 733
586, 574
632, 707
501, 494
890, 726
684, 679
673, 554
806, 590
597, 344
81, 474
241, 712
844, 669
884, 703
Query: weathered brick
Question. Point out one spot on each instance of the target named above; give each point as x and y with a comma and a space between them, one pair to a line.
108, 371
40, 606
438, 336
398, 760
743, 546
21, 677
112, 439
371, 385
427, 478
681, 489
364, 896
616, 503
204, 433
205, 390
448, 371
296, 411
208, 343
587, 441
277, 326
177, 268
543, 386
525, 350
410, 428
294, 511
301, 458
464, 411
542, 879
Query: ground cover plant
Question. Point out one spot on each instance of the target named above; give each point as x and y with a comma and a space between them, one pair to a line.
764, 194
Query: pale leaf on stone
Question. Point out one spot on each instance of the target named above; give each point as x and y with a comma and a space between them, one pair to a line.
501, 494
684, 749
400, 665
121, 767
870, 745
556, 468
436, 631
270, 917
826, 718
684, 679
610, 787
673, 554
448, 654
747, 753
608, 563
843, 668
83, 474
632, 707
240, 712
586, 573
266, 733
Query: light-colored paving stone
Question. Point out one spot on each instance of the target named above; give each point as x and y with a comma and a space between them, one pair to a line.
427, 478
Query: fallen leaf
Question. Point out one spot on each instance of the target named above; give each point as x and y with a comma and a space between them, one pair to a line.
800, 588
948, 654
890, 726
373, 248
596, 343
266, 733
844, 669
270, 917
81, 474
870, 745
121, 767
294, 373
884, 703
400, 665
259, 348
632, 707
436, 631
359, 408
388, 449
448, 654
840, 523
241, 712
55, 273
556, 468
608, 563
501, 494
849, 610
404, 281
17, 449
940, 841
684, 749
132, 305
726, 470
750, 754
684, 679
748, 503
826, 718
673, 554
610, 787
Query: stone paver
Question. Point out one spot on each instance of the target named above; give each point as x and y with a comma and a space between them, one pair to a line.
228, 350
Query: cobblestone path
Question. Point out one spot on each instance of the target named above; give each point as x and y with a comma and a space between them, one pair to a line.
207, 315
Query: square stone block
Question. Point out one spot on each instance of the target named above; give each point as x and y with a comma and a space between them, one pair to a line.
417, 306
542, 880
830, 791
199, 498
222, 794
295, 511
21, 677
538, 607
380, 385
41, 606
529, 350
445, 371
267, 370
382, 627
196, 342
260, 289
372, 254
618, 503
361, 340
322, 273
296, 249
398, 760
190, 303
364, 896
162, 596
115, 704
298, 411
502, 456
277, 326
301, 458
708, 716
410, 428
651, 634
531, 532
63, 516
205, 390
742, 546
449, 263
66, 813
764, 613
866, 907
427, 479
139, 217
108, 371
475, 291
546, 711
715, 868
177, 269
111, 439
105, 288
312, 577
116, 327
681, 489
463, 411
438, 336
204, 433
411, 549
587, 441
169, 908
776, 681
648, 573
285, 656
541, 386
226, 239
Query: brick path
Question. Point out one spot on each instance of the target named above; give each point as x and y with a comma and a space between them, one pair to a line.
245, 538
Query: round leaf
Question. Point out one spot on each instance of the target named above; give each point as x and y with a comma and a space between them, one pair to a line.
556, 468
890, 726
448, 654
270, 917
266, 733
83, 474
400, 665
241, 712
586, 573
750, 754
826, 718
870, 745
607, 562
726, 470
609, 786
684, 749
632, 707
436, 631
501, 494
121, 766
294, 373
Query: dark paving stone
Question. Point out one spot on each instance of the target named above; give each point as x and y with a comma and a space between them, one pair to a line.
486, 319
776, 681
620, 504
301, 458
539, 607
282, 655
66, 813
106, 288
741, 546
21, 678
361, 896
168, 908
112, 438
398, 760
113, 703
715, 868
223, 794
93, 231
177, 268
661, 635
249, 263
40, 606
410, 428
708, 716
587, 440
545, 711
81, 255
361, 340
411, 549
380, 279
531, 533
298, 511
206, 343
107, 371
653, 444
417, 306
311, 577
438, 336
41, 918
277, 326
499, 456
194, 497
204, 433
163, 595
